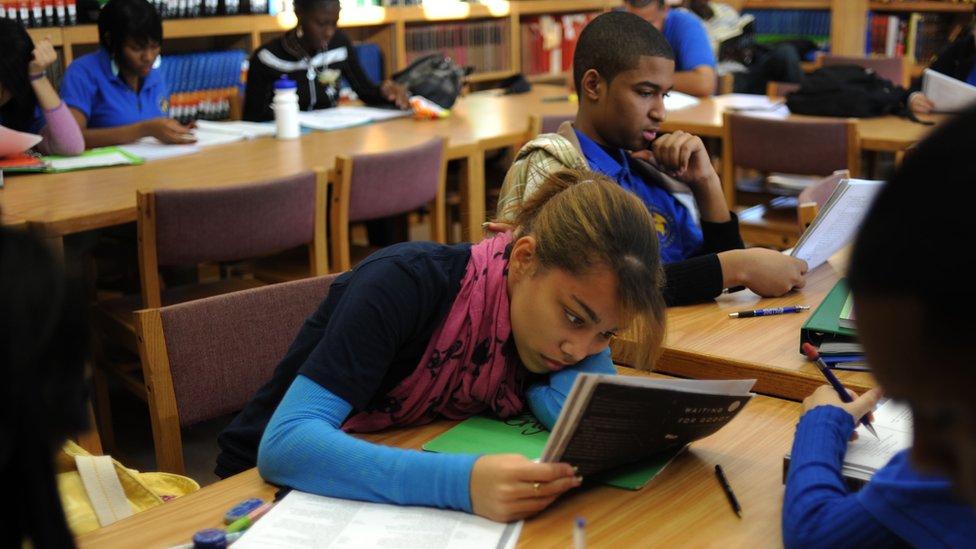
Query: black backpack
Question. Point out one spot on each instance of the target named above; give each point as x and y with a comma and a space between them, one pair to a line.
848, 91
435, 77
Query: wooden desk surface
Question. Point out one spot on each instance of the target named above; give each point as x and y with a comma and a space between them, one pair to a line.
682, 506
703, 342
59, 204
885, 133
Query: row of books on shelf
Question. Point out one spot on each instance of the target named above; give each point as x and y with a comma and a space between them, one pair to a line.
481, 45
918, 36
40, 13
548, 42
201, 84
176, 9
776, 23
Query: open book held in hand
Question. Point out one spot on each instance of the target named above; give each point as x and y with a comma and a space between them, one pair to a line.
837, 222
609, 421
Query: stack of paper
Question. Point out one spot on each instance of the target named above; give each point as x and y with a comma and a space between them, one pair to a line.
346, 117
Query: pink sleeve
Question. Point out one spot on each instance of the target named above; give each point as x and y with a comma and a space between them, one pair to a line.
61, 133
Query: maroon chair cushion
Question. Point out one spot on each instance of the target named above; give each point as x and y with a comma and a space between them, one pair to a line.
390, 183
222, 349
234, 222
805, 147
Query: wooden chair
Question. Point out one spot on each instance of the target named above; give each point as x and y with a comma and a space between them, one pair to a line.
207, 358
376, 185
809, 147
192, 226
549, 123
896, 69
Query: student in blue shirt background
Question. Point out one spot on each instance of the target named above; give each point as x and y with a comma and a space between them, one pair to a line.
694, 61
917, 327
114, 93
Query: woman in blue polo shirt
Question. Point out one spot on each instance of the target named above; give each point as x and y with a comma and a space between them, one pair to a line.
114, 93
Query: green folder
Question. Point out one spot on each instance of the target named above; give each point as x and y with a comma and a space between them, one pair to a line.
824, 324
525, 435
93, 158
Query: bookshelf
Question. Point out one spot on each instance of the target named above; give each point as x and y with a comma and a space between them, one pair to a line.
390, 28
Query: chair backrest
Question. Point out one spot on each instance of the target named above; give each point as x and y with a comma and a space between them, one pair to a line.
895, 69
207, 358
549, 123
812, 198
371, 186
776, 90
187, 226
803, 146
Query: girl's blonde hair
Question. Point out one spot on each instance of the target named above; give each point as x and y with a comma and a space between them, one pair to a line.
583, 220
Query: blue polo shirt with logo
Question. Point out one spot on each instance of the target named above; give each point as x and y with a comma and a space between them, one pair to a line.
679, 234
93, 86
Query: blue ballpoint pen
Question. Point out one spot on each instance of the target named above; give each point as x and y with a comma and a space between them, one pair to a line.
767, 312
813, 355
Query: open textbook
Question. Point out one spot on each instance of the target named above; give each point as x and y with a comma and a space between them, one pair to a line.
609, 421
893, 422
947, 93
837, 222
305, 521
347, 116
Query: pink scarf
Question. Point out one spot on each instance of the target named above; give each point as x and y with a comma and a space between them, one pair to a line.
464, 370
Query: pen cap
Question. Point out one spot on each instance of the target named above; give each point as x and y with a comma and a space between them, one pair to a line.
211, 538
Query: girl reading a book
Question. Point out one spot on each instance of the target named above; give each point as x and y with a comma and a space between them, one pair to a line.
116, 94
421, 330
28, 101
917, 331
316, 55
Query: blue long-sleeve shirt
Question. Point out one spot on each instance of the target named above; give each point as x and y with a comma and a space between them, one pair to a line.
898, 507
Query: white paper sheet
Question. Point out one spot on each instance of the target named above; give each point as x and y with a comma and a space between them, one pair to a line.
90, 161
150, 148
948, 94
247, 130
893, 422
301, 520
838, 221
13, 141
675, 101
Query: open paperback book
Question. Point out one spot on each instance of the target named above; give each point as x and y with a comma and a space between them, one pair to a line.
609, 421
947, 93
302, 520
893, 422
837, 222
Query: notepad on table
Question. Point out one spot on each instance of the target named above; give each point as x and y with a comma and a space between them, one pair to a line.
893, 422
346, 117
102, 157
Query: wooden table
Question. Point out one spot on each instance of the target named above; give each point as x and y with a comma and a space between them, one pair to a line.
703, 342
59, 204
886, 133
683, 506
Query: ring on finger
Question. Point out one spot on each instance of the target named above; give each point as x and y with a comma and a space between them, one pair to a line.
535, 488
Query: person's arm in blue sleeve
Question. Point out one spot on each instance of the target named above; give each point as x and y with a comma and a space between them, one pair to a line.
546, 400
818, 511
304, 448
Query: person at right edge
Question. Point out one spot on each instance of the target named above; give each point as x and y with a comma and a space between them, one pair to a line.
916, 326
957, 60
623, 67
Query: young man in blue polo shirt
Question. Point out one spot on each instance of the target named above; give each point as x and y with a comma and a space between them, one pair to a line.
623, 67
694, 61
114, 93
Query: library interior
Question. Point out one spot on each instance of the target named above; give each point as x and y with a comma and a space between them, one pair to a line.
207, 276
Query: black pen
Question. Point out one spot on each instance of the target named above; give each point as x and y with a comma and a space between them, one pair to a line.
728, 490
768, 312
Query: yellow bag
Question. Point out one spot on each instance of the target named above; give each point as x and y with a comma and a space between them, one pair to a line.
104, 501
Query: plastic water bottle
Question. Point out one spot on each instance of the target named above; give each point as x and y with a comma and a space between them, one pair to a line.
285, 105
